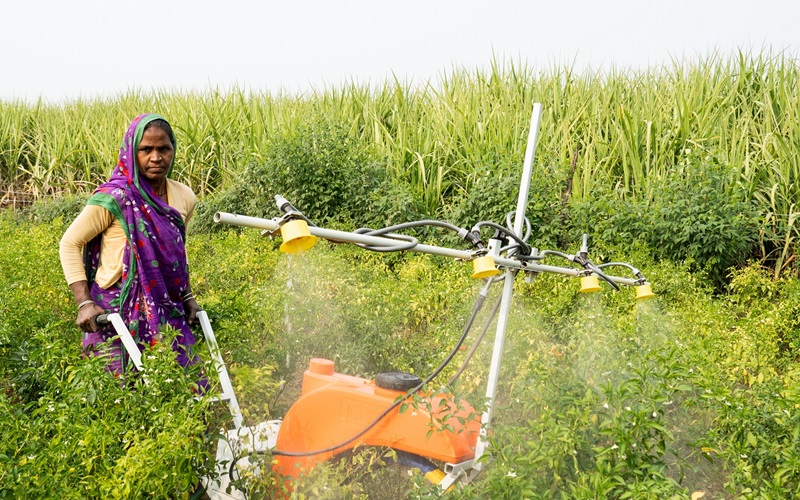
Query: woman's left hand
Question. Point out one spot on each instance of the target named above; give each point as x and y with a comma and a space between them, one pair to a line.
191, 308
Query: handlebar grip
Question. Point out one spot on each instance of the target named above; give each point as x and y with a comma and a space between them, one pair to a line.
102, 320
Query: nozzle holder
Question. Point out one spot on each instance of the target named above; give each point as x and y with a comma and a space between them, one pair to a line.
296, 237
590, 284
644, 292
483, 267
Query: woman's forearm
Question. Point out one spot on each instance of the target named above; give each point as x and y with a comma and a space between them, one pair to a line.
80, 290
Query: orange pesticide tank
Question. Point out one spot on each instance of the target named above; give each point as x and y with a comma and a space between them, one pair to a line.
335, 407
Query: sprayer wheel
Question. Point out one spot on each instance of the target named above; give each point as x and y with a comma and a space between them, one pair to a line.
382, 473
397, 381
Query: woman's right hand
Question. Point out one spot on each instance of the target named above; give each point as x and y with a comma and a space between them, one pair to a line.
87, 315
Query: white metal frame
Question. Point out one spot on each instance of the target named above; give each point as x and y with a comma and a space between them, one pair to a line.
508, 289
227, 394
271, 225
127, 340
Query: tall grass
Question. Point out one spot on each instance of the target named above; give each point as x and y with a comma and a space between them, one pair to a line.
622, 128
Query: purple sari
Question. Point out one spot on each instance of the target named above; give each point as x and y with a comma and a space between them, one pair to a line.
155, 273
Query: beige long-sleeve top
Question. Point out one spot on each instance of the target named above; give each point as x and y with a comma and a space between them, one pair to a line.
94, 220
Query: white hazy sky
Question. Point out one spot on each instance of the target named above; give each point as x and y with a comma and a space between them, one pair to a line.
63, 50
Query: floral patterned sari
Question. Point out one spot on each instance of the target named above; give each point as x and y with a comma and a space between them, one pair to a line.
155, 273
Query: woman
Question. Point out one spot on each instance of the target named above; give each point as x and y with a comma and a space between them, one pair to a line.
125, 252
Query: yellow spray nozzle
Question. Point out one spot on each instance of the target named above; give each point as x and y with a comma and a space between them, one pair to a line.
296, 237
483, 267
590, 284
644, 292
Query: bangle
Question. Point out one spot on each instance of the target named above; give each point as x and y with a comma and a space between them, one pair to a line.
90, 301
188, 296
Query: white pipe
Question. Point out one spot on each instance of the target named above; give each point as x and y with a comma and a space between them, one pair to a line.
334, 235
127, 340
527, 168
225, 381
246, 221
508, 287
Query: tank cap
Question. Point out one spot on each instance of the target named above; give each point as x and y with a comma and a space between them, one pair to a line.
397, 381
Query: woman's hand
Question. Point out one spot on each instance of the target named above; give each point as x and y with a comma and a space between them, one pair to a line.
191, 308
87, 315
87, 309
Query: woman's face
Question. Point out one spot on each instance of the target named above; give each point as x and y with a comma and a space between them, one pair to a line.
154, 155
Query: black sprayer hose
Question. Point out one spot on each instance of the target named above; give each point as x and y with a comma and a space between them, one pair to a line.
526, 249
477, 342
406, 225
635, 271
600, 273
510, 224
475, 309
622, 264
545, 253
522, 257
388, 232
411, 242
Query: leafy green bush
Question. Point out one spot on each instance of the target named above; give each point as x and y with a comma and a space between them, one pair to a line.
33, 297
493, 195
368, 320
693, 215
322, 170
70, 430
363, 473
590, 412
696, 217
46, 211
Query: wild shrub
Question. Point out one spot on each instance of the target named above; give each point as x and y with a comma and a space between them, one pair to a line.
493, 195
692, 215
322, 170
45, 211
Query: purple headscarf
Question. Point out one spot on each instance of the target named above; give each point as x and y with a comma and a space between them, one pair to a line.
155, 273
